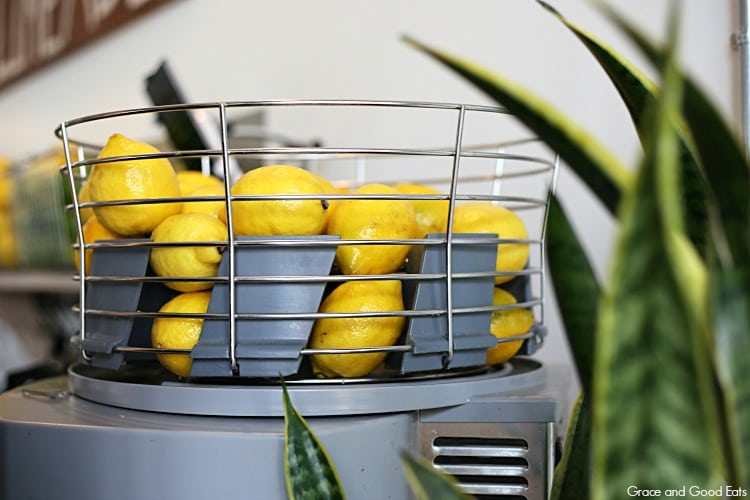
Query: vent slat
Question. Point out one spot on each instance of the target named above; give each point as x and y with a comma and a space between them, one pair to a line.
493, 489
486, 467
483, 470
481, 451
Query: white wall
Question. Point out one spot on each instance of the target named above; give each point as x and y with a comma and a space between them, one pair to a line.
236, 49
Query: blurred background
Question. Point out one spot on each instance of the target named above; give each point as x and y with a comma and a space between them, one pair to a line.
330, 49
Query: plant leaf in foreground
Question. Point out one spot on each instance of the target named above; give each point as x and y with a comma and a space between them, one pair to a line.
653, 428
573, 473
592, 162
308, 471
728, 175
637, 92
730, 290
576, 290
428, 483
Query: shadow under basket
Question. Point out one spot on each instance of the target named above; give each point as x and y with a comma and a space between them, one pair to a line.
277, 287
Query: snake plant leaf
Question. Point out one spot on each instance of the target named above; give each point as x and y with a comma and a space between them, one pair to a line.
729, 301
725, 164
308, 471
572, 476
429, 483
576, 289
654, 427
578, 293
637, 91
728, 174
729, 179
588, 158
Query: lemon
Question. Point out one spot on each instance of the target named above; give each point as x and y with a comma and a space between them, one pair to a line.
93, 231
84, 197
189, 180
507, 323
6, 182
8, 250
132, 180
212, 207
365, 219
356, 332
184, 260
484, 217
432, 215
179, 333
278, 217
328, 188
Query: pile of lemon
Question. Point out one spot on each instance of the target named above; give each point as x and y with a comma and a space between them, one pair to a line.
8, 250
190, 236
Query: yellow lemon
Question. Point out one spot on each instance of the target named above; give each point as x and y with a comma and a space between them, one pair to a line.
179, 333
132, 180
365, 219
8, 250
189, 180
85, 197
484, 217
183, 260
278, 217
328, 188
212, 207
356, 332
6, 182
93, 231
432, 215
507, 323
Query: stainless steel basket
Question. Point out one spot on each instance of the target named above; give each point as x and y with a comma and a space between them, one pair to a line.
118, 304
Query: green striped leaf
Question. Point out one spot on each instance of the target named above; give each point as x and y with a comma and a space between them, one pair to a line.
573, 473
429, 483
593, 163
578, 293
722, 156
576, 289
308, 471
637, 92
730, 290
636, 89
653, 424
728, 174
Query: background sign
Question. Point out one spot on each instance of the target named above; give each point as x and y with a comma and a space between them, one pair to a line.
38, 32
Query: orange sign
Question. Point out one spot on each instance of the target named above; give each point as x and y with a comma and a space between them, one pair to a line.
37, 32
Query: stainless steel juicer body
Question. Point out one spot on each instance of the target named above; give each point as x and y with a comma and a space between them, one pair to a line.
494, 431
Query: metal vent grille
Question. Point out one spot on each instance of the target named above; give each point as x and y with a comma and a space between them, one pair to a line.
488, 468
491, 461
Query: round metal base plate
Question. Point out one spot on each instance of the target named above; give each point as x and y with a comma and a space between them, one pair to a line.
148, 389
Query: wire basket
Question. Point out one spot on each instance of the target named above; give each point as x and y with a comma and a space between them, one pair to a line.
266, 295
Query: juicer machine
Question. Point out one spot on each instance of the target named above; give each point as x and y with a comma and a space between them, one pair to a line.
119, 426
